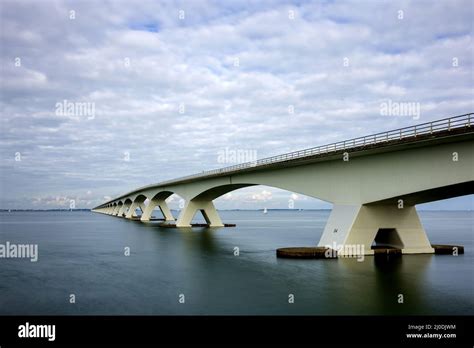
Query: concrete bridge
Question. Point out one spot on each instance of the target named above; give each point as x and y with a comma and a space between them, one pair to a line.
374, 183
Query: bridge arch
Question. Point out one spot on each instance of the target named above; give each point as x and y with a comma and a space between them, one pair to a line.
114, 208
157, 199
218, 191
119, 208
126, 206
203, 201
137, 201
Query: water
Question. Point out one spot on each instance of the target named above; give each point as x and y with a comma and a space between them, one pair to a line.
82, 253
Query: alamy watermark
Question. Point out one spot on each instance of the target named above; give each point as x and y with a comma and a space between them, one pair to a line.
345, 250
76, 109
28, 330
404, 109
237, 156
20, 251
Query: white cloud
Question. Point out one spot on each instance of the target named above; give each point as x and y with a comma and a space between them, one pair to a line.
262, 196
139, 62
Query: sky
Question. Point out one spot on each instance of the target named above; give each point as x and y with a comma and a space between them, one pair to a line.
101, 97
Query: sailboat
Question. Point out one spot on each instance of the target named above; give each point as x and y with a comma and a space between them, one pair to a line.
265, 210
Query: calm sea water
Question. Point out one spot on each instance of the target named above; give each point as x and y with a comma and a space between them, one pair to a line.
82, 253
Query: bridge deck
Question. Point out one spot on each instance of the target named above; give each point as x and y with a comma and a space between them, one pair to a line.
385, 141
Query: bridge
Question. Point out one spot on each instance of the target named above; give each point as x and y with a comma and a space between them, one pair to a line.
374, 183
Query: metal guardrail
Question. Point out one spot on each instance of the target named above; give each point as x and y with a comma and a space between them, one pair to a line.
446, 124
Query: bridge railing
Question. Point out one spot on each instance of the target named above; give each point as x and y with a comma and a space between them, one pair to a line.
433, 127
447, 124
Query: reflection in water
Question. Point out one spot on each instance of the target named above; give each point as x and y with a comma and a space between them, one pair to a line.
392, 281
84, 252
200, 240
375, 284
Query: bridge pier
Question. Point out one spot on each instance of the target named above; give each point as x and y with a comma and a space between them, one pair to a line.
165, 210
122, 210
142, 207
207, 209
131, 213
353, 227
116, 209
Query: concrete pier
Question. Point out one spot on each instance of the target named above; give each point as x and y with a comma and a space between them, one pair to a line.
307, 253
327, 253
441, 249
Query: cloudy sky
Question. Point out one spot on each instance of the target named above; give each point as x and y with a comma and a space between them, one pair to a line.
170, 85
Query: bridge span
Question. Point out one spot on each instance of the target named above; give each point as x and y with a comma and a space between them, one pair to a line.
374, 183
